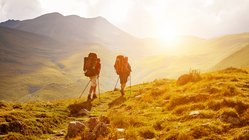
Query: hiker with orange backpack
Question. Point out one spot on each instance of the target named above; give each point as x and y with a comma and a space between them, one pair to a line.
123, 69
91, 68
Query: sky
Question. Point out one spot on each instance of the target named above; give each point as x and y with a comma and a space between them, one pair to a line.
145, 18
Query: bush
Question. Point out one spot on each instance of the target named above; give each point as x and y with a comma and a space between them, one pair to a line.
147, 133
193, 76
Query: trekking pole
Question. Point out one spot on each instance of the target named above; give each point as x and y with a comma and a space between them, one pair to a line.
85, 88
130, 86
99, 88
116, 84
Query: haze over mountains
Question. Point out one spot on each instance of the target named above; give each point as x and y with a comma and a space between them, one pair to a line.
42, 57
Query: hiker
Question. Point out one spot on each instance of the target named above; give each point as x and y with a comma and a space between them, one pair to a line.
91, 69
123, 69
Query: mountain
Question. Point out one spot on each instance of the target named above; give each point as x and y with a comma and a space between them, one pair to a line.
36, 67
213, 107
237, 59
42, 57
23, 56
68, 29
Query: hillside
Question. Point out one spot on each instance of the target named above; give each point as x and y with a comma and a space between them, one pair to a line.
71, 29
208, 106
42, 57
237, 59
22, 55
35, 67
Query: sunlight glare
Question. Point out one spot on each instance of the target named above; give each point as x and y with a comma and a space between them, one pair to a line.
167, 34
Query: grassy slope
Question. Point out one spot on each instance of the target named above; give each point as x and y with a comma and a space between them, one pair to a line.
237, 59
159, 109
35, 67
162, 108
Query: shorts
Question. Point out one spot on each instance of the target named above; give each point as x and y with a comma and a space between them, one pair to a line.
93, 81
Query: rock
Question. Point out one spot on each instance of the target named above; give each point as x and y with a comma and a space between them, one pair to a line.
91, 136
138, 96
233, 120
193, 113
120, 129
4, 128
104, 119
15, 126
92, 123
75, 128
230, 117
101, 130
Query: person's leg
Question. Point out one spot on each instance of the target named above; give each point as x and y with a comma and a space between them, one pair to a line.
94, 92
122, 88
90, 91
123, 80
94, 86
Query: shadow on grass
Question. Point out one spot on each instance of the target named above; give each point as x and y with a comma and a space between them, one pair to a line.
117, 101
80, 109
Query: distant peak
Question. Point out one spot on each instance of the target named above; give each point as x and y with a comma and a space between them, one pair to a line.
52, 15
99, 18
10, 21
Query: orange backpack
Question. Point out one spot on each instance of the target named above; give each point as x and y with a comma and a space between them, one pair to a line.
121, 65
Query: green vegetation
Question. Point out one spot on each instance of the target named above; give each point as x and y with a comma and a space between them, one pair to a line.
214, 107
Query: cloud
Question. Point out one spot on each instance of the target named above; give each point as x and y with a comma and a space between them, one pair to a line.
145, 18
19, 9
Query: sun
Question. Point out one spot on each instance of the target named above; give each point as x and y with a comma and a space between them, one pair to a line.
167, 34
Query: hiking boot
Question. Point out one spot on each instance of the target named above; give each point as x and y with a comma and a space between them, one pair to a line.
94, 96
89, 97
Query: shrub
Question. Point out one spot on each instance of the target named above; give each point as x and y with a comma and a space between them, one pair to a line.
147, 133
193, 76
